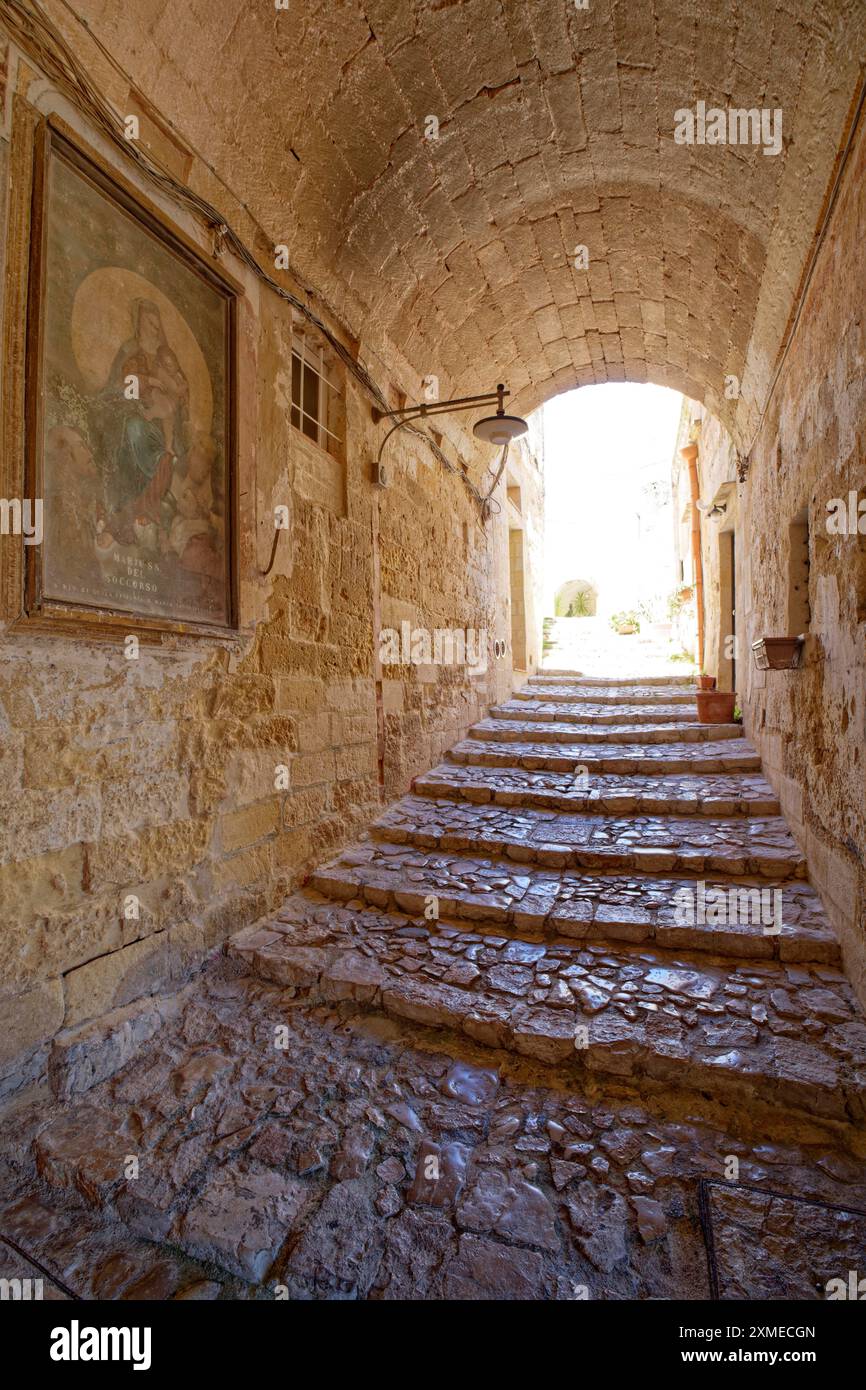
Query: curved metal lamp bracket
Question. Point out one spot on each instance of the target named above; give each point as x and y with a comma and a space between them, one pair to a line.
426, 408
393, 430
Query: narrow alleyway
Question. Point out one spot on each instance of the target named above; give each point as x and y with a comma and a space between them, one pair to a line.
405, 406
481, 1055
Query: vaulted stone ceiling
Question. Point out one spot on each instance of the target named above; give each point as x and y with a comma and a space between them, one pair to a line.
556, 129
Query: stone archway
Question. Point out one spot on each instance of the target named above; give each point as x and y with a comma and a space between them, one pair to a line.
442, 207
576, 598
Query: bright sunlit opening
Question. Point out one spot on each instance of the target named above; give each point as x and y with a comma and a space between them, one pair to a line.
608, 519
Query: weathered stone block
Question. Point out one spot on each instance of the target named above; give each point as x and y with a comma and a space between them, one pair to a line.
28, 1019
353, 976
247, 826
117, 979
246, 867
241, 1219
485, 1268
84, 1056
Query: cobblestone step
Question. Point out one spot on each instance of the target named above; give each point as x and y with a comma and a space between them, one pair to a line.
793, 1033
760, 845
645, 695
665, 910
546, 711
522, 731
725, 794
726, 755
575, 681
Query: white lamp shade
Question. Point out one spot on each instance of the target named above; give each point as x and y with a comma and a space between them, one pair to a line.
500, 429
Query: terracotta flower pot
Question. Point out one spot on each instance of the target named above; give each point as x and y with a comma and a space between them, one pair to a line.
706, 682
716, 706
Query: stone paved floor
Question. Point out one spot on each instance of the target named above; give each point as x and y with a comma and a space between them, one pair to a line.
481, 1054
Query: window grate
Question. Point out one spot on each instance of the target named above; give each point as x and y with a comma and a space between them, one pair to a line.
317, 398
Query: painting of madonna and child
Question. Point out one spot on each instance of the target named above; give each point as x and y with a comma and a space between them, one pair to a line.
135, 433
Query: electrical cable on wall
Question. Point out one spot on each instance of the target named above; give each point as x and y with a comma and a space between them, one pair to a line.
489, 502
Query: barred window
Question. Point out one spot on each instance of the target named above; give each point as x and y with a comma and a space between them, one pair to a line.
317, 393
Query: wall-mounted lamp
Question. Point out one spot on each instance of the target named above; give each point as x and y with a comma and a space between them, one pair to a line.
498, 429
713, 510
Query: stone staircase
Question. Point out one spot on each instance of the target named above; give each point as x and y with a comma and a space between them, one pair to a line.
487, 1052
594, 880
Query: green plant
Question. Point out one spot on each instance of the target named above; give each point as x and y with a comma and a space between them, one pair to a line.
678, 599
627, 619
738, 715
579, 606
654, 609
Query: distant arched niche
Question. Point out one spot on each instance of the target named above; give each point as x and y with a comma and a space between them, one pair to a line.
577, 598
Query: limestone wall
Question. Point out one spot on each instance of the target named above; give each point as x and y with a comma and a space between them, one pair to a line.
809, 724
156, 777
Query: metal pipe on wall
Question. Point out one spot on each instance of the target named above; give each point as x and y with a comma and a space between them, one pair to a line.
690, 454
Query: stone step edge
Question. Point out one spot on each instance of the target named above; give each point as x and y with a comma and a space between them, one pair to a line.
464, 752
614, 1047
608, 682
622, 735
794, 946
592, 803
629, 717
551, 854
568, 696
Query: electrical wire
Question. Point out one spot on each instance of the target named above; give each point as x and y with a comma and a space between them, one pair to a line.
488, 504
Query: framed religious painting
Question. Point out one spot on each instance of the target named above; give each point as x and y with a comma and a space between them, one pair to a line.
129, 412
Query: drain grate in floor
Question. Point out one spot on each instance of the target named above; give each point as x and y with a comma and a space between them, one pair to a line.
770, 1245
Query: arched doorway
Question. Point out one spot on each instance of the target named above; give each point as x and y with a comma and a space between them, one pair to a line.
576, 598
